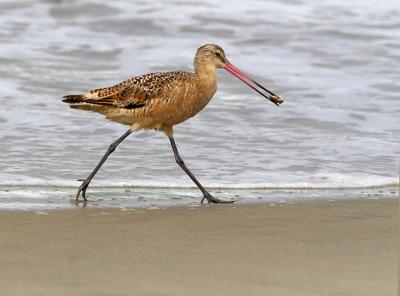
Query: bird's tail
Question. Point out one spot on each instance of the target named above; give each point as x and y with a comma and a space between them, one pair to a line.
74, 99
88, 98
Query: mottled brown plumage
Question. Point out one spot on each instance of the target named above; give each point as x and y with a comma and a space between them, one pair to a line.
156, 100
161, 100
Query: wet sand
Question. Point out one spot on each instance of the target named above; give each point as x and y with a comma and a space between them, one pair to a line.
310, 248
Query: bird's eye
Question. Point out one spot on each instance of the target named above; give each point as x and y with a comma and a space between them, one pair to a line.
218, 54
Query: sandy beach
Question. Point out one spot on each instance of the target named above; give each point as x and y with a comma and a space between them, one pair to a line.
307, 248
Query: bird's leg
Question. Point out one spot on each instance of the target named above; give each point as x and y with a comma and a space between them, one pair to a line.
111, 148
179, 161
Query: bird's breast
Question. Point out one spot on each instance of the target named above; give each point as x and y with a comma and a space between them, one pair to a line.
182, 102
196, 97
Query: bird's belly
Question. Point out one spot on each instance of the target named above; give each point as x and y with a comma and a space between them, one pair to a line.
185, 110
169, 111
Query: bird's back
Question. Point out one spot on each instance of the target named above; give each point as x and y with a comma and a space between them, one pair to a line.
133, 91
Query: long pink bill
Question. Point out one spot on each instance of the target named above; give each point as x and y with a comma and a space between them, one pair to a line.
277, 100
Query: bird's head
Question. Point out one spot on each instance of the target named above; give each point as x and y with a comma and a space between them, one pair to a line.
211, 56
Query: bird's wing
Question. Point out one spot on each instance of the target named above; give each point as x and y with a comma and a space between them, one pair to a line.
99, 96
135, 92
142, 89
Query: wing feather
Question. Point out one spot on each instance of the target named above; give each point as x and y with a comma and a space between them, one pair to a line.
143, 89
135, 92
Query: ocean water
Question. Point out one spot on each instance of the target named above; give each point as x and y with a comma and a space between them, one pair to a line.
335, 62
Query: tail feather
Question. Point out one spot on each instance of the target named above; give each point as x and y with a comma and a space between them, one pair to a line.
88, 99
74, 99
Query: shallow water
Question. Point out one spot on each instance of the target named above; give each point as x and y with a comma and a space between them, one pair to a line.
39, 198
336, 63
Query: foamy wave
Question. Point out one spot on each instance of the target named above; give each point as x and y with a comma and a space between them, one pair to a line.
323, 181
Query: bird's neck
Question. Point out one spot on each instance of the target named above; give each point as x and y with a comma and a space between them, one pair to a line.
206, 74
206, 85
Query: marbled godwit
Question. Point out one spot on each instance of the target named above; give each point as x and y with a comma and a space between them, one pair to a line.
161, 100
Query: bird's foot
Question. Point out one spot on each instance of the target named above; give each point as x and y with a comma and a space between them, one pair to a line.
212, 199
82, 189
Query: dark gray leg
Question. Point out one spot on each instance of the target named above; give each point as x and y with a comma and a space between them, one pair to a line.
179, 161
110, 150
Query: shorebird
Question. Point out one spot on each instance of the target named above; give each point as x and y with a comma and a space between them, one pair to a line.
161, 100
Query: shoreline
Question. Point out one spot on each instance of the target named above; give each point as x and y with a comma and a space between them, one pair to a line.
343, 247
49, 199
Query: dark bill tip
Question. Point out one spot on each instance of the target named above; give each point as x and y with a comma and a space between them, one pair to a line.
277, 100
